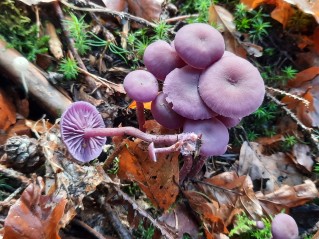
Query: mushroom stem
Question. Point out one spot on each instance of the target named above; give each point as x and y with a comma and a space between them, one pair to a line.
186, 168
197, 166
156, 139
140, 115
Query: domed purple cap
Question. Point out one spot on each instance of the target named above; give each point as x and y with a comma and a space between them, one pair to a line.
78, 117
181, 89
160, 59
232, 87
199, 45
163, 113
141, 85
214, 133
283, 226
227, 121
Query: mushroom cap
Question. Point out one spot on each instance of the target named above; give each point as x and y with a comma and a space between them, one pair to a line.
141, 85
160, 59
78, 117
283, 226
164, 114
181, 89
199, 45
232, 87
214, 133
227, 121
20, 64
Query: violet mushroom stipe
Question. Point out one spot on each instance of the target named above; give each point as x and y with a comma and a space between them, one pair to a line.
283, 226
180, 89
163, 113
232, 87
140, 86
78, 117
214, 135
199, 45
160, 59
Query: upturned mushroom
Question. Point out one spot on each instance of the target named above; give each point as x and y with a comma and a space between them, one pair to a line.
140, 86
199, 45
232, 87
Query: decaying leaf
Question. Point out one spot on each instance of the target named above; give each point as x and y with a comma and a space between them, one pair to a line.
209, 213
302, 157
310, 7
282, 13
35, 215
234, 194
156, 179
288, 197
304, 76
7, 111
182, 221
273, 170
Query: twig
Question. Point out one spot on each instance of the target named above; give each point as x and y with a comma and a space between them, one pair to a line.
90, 229
121, 15
142, 212
180, 18
120, 229
306, 102
218, 187
295, 118
15, 193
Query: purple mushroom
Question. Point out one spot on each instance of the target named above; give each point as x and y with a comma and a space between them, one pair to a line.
214, 135
283, 226
181, 89
227, 121
79, 116
84, 134
232, 87
160, 59
141, 86
163, 113
199, 45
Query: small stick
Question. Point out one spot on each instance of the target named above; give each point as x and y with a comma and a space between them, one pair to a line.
90, 229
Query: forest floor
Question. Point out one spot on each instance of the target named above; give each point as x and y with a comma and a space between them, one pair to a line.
56, 52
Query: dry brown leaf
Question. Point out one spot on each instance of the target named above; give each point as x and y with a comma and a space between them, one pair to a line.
238, 195
277, 168
304, 76
301, 155
208, 212
307, 6
282, 13
288, 197
156, 179
34, 215
7, 111
55, 44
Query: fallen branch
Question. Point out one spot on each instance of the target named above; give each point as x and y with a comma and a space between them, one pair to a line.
52, 101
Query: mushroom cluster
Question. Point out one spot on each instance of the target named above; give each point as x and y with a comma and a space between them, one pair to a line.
193, 84
206, 90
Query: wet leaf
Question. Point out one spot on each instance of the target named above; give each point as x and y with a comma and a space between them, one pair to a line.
156, 179
34, 215
7, 111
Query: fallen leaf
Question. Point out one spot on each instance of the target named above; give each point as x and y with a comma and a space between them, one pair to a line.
307, 6
55, 44
156, 179
275, 170
282, 13
147, 9
34, 215
287, 197
208, 212
301, 155
7, 111
304, 76
35, 2
147, 105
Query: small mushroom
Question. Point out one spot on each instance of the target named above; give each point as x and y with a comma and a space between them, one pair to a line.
181, 89
160, 59
214, 135
283, 226
78, 117
232, 87
199, 45
141, 86
163, 113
